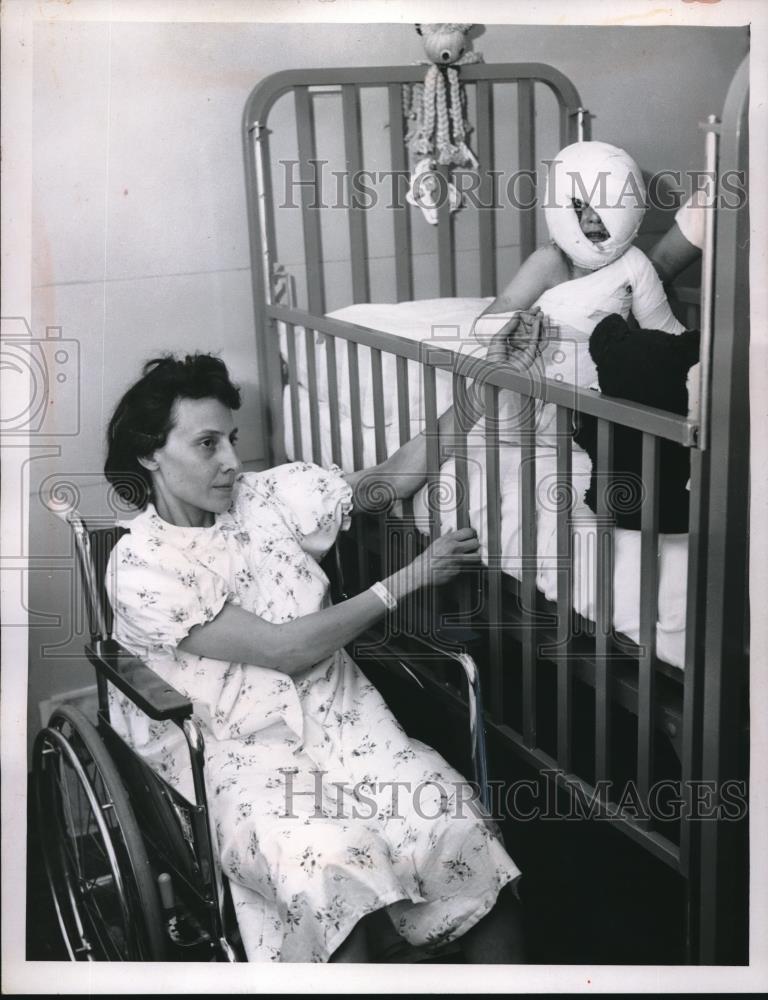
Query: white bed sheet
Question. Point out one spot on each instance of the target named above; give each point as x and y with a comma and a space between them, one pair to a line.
447, 322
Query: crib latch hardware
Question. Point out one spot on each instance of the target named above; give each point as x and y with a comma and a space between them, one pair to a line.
712, 124
581, 115
283, 286
695, 436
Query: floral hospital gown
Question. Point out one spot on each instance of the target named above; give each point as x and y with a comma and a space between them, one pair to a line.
311, 831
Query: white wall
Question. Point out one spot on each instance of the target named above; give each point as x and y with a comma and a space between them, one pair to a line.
140, 235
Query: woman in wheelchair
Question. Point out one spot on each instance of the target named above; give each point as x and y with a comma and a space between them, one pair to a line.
325, 812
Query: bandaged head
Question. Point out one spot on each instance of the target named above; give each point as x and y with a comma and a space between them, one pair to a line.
609, 180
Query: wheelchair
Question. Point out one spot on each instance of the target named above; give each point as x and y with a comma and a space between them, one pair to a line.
131, 863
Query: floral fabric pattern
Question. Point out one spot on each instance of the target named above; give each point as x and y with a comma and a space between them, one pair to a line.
302, 771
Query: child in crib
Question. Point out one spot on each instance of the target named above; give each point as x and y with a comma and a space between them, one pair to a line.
541, 324
544, 317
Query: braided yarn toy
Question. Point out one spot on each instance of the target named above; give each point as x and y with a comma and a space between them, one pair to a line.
435, 111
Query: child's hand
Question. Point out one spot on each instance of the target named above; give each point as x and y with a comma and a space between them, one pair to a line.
517, 342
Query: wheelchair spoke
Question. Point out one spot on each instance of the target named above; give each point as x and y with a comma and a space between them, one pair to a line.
103, 888
69, 821
100, 929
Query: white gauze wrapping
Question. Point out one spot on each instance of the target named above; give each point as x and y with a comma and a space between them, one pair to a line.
611, 182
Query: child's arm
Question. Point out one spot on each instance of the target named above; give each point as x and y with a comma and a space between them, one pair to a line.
513, 337
545, 268
650, 306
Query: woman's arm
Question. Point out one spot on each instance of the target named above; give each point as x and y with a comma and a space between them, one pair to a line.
404, 472
238, 636
672, 254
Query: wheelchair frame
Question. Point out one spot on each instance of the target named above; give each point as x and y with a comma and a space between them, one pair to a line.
170, 899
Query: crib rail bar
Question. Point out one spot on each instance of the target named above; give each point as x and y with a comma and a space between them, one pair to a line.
314, 407
526, 145
358, 233
462, 482
649, 596
290, 337
404, 416
403, 401
493, 535
356, 420
604, 599
310, 200
386, 541
486, 219
446, 263
643, 418
433, 450
333, 398
564, 500
400, 213
380, 430
528, 594
460, 453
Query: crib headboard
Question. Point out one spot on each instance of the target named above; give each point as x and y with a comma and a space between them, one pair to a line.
327, 147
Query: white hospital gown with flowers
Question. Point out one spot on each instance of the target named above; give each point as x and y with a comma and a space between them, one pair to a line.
312, 832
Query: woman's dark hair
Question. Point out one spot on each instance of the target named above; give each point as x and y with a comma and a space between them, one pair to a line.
144, 416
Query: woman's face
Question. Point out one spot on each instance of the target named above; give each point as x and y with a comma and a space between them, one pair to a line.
194, 472
590, 222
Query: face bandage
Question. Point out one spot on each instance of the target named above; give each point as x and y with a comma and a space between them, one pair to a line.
609, 180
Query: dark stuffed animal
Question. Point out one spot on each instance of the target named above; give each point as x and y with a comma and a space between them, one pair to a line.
649, 367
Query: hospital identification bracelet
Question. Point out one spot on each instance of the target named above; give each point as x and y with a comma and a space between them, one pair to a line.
384, 595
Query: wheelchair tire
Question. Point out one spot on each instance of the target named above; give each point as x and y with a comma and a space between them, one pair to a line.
102, 884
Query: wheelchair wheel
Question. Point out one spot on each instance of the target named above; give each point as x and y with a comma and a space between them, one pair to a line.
103, 889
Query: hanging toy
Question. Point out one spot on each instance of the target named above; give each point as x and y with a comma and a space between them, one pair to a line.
435, 111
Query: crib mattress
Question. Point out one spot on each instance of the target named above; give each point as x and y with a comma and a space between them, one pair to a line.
446, 323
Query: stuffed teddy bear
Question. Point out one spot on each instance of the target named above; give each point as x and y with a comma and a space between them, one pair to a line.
649, 367
437, 131
444, 44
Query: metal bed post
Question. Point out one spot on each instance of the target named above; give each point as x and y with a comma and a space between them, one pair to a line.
258, 193
723, 889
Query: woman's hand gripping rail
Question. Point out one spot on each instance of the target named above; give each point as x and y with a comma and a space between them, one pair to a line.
514, 345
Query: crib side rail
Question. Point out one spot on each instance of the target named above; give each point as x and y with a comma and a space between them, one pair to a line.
614, 668
648, 419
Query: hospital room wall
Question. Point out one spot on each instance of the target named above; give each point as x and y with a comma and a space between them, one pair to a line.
140, 233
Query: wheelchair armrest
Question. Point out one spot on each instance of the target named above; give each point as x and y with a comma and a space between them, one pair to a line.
131, 675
